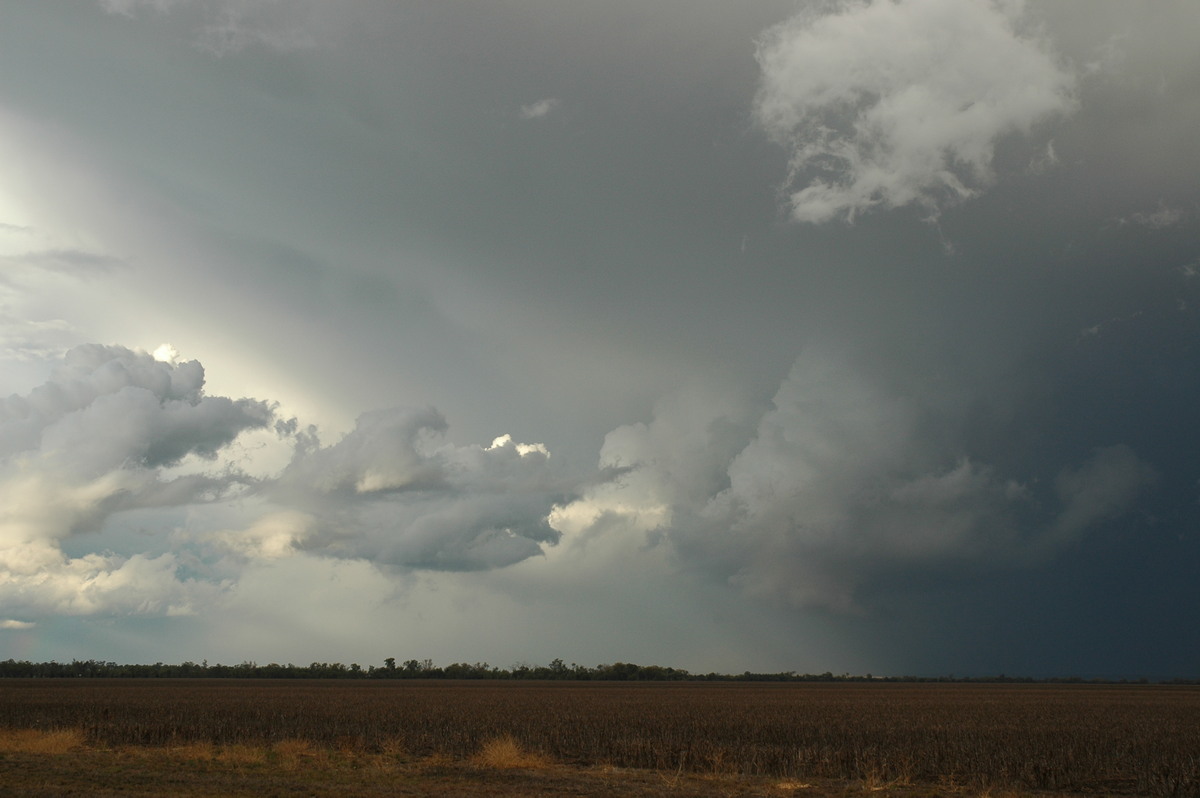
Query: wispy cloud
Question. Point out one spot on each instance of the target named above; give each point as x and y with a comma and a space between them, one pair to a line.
74, 262
1048, 159
234, 25
9, 623
885, 104
1160, 218
540, 108
129, 7
26, 340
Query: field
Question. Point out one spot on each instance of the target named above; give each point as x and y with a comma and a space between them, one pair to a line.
551, 738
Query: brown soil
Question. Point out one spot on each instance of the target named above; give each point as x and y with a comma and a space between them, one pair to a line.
317, 773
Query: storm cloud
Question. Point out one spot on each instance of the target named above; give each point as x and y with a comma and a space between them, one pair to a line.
847, 335
835, 486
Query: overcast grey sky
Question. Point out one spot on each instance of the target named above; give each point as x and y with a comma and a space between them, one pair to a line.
848, 336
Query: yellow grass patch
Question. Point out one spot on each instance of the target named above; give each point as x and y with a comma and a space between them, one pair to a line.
194, 751
505, 752
292, 752
35, 741
241, 754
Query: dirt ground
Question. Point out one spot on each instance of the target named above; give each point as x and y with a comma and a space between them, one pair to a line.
144, 773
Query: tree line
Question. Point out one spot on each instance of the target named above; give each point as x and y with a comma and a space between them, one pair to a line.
410, 669
557, 670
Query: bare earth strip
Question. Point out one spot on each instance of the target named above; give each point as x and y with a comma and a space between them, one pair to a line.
164, 772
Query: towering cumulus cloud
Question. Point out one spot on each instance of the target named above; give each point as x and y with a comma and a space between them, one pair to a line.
95, 440
886, 103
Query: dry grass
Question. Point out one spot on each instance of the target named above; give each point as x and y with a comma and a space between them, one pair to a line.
291, 754
874, 780
193, 752
35, 741
504, 753
501, 768
239, 754
393, 747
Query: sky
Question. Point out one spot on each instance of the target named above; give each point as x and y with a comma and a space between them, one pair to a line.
851, 336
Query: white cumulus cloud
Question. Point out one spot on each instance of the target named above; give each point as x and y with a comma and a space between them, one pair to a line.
395, 492
114, 433
893, 103
96, 439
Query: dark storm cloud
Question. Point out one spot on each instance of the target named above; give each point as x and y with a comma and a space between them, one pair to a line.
836, 487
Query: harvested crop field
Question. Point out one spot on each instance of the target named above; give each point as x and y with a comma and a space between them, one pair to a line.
926, 739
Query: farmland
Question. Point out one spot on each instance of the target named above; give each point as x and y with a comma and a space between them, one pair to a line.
1083, 739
